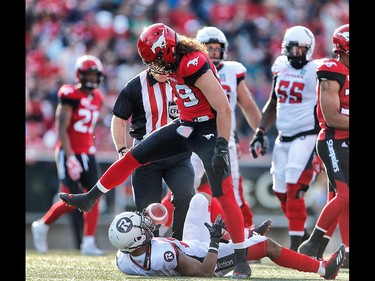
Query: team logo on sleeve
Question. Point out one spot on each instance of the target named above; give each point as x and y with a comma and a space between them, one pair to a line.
160, 43
193, 62
330, 64
168, 256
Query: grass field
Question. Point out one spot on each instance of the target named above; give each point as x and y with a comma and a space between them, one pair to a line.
71, 266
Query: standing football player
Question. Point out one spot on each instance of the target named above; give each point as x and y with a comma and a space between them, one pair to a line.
291, 106
203, 127
148, 100
76, 116
333, 142
232, 78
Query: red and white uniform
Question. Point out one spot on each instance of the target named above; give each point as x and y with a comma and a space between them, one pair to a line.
295, 91
192, 103
161, 259
85, 115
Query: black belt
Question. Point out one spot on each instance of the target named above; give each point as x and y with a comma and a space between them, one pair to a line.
306, 133
210, 122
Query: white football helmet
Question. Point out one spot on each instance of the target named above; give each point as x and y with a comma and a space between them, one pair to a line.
298, 36
211, 34
131, 230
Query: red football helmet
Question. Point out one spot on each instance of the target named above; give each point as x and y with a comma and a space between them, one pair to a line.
340, 39
85, 64
157, 46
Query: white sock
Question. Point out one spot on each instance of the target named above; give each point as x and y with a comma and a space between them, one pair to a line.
321, 269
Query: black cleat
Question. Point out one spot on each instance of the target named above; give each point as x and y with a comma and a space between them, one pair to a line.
335, 262
346, 261
261, 229
307, 248
77, 200
241, 270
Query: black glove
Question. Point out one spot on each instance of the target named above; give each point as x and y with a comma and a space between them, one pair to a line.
220, 159
259, 143
216, 230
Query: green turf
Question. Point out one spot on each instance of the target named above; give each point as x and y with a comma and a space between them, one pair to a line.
70, 266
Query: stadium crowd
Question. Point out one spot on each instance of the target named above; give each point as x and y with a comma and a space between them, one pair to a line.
59, 31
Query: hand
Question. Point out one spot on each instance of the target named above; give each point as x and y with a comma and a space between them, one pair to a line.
220, 159
317, 164
74, 167
260, 143
216, 230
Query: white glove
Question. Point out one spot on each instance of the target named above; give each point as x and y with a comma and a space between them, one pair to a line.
74, 167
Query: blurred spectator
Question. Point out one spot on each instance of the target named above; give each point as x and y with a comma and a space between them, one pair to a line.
59, 31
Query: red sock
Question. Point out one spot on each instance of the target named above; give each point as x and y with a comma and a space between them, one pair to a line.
91, 220
295, 207
234, 221
257, 251
291, 259
56, 211
344, 226
335, 207
167, 202
332, 228
282, 199
245, 208
205, 187
216, 210
119, 171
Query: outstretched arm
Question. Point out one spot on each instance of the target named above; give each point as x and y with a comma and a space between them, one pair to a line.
188, 266
192, 267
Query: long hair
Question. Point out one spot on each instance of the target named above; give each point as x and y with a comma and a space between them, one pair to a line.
187, 45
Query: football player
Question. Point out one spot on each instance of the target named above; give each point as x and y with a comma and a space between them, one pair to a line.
202, 252
77, 113
203, 127
333, 143
291, 107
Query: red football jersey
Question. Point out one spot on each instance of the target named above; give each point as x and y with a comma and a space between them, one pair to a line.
334, 70
192, 103
85, 115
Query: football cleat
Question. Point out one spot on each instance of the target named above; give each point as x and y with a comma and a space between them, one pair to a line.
77, 200
241, 270
335, 262
346, 261
89, 248
39, 231
307, 248
261, 229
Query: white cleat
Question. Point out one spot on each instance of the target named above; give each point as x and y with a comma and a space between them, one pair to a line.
39, 230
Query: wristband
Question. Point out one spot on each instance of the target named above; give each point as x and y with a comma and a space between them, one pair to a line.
121, 150
213, 247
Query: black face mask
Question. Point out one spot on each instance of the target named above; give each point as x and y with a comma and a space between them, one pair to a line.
297, 62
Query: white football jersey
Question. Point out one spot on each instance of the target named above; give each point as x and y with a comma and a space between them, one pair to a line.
296, 96
163, 259
228, 75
